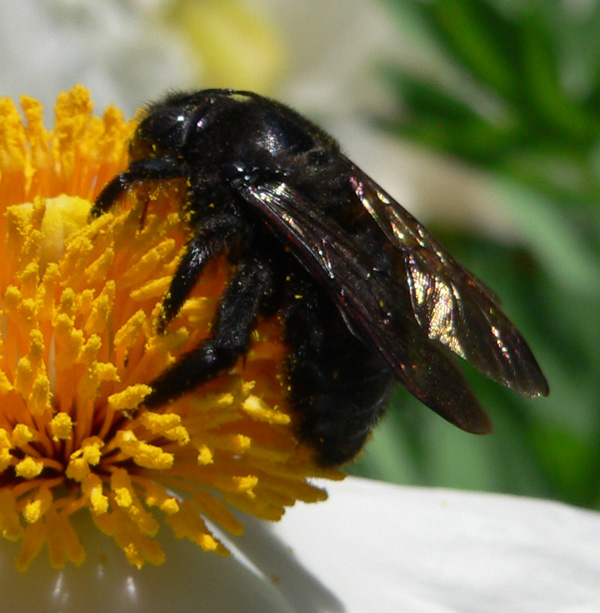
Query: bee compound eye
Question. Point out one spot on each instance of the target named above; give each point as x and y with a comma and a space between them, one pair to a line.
163, 130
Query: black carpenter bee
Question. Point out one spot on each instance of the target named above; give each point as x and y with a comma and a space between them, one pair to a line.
365, 293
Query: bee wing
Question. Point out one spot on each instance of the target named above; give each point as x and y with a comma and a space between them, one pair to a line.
450, 304
376, 308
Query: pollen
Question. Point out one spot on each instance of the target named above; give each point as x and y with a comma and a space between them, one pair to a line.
21, 435
29, 468
61, 427
80, 310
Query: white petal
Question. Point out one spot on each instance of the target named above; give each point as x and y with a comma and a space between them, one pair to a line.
381, 547
371, 547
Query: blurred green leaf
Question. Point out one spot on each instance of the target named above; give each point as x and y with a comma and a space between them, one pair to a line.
477, 36
524, 110
541, 132
445, 122
556, 237
561, 450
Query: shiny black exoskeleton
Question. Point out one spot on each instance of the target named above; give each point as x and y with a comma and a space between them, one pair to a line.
365, 292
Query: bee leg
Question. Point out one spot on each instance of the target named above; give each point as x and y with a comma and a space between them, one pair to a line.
240, 304
212, 236
141, 170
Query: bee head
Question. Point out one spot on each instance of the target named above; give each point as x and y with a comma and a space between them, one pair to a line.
214, 127
162, 131
181, 122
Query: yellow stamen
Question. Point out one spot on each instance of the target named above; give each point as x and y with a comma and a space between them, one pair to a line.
29, 468
61, 427
21, 435
79, 349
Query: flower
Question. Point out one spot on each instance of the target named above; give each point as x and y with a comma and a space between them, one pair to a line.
79, 347
372, 547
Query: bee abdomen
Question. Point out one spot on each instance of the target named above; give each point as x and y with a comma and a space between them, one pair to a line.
338, 386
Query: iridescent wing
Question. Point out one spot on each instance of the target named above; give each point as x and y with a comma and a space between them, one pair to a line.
376, 308
450, 304
412, 311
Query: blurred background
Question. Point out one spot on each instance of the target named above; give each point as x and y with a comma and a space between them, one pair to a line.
480, 116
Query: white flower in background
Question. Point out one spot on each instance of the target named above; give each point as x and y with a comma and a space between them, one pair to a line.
319, 57
113, 48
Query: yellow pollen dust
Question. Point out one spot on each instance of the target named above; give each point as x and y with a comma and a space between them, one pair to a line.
61, 427
80, 301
